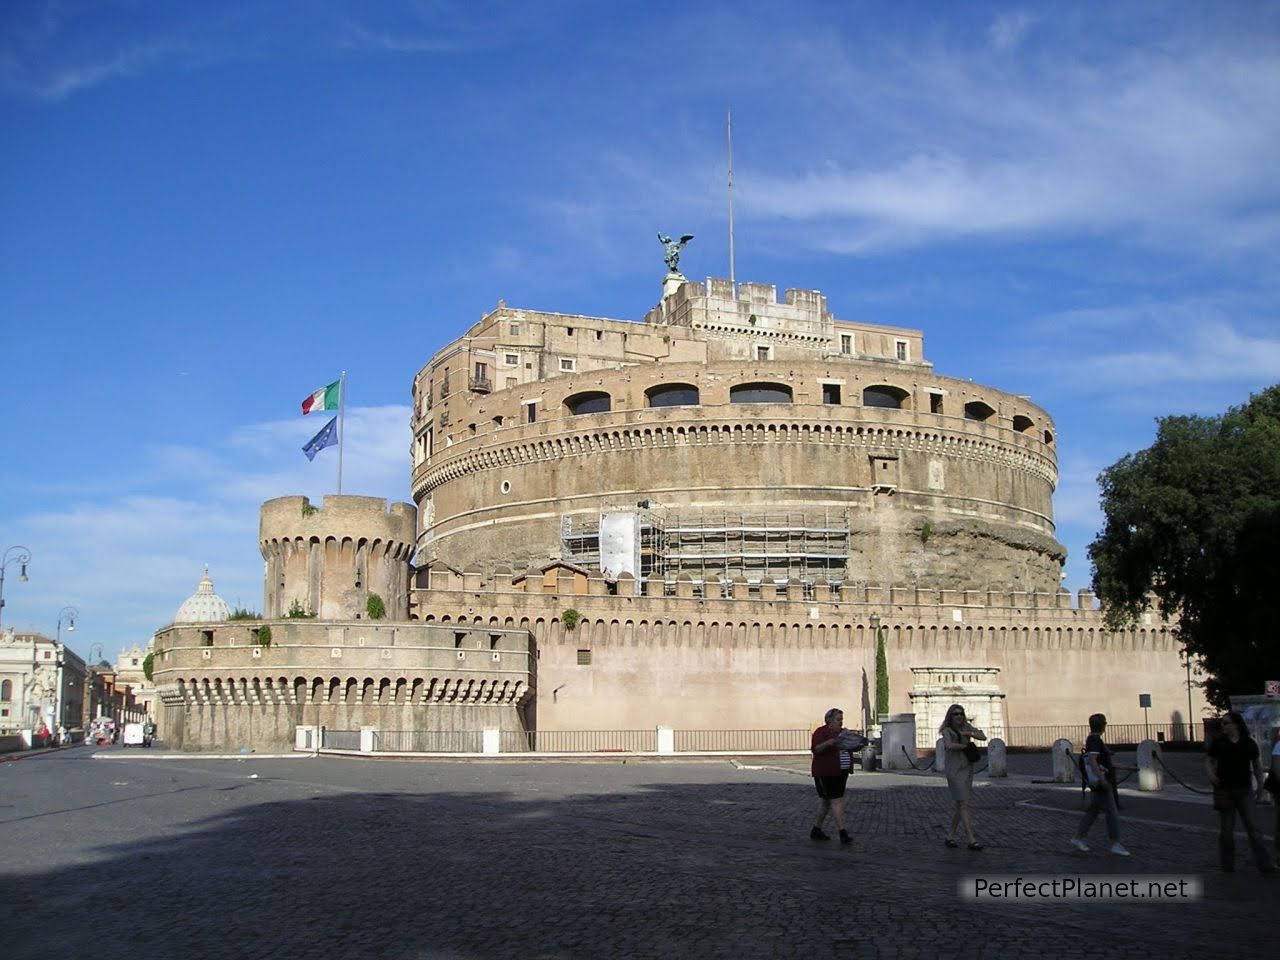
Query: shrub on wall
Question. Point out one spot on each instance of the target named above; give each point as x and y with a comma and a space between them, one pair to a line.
375, 607
570, 618
298, 612
262, 636
244, 613
148, 664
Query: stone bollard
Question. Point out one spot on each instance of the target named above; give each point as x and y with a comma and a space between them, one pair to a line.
1150, 773
666, 740
997, 758
1064, 763
940, 756
868, 758
898, 732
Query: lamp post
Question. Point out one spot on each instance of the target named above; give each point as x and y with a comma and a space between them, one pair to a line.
69, 614
21, 556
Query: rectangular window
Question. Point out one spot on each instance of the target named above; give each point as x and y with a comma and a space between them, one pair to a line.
457, 640
515, 330
482, 371
531, 413
511, 382
206, 638
935, 403
599, 334
512, 359
762, 353
569, 331
831, 393
567, 364
584, 658
901, 346
846, 343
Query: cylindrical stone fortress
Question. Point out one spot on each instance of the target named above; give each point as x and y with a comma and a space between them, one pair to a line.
720, 409
329, 559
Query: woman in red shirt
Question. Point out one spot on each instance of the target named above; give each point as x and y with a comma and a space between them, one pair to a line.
830, 770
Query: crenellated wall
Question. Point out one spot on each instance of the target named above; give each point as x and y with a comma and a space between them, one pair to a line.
777, 657
220, 687
330, 558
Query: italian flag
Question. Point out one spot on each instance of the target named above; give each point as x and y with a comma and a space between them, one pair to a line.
326, 398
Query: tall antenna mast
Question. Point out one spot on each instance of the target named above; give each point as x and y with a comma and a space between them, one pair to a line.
732, 279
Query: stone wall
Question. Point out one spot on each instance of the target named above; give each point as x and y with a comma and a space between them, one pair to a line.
220, 688
779, 661
330, 558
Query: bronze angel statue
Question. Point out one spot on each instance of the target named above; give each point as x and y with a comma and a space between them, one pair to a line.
673, 248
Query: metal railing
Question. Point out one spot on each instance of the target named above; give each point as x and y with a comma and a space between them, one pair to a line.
481, 385
1117, 733
578, 741
428, 741
729, 740
339, 739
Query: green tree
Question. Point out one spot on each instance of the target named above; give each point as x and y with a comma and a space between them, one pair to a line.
1194, 519
148, 665
882, 677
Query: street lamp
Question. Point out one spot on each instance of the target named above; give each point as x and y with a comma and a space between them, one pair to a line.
22, 556
69, 614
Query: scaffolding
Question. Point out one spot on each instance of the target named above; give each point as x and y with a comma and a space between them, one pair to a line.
723, 545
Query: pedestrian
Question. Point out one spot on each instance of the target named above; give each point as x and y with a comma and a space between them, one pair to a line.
1233, 757
62, 735
830, 769
960, 755
1100, 773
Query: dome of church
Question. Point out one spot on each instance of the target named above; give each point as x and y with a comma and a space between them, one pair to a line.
203, 606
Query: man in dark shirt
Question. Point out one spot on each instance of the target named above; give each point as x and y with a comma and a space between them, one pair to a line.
1233, 759
1099, 770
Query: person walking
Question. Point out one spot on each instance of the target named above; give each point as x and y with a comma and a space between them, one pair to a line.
1233, 757
1275, 784
1100, 773
961, 753
830, 769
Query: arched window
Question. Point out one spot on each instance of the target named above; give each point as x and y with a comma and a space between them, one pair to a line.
883, 395
1022, 424
672, 395
595, 401
977, 410
6, 691
1048, 438
760, 393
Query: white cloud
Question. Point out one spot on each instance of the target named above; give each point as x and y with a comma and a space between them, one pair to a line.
1008, 29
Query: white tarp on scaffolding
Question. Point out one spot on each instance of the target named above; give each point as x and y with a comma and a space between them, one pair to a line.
619, 544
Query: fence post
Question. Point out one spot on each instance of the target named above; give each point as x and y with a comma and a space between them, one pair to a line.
1064, 762
367, 735
997, 758
491, 742
1150, 776
666, 740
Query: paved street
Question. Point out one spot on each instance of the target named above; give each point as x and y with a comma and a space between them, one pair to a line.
327, 857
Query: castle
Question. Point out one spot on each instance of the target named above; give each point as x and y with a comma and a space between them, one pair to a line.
700, 521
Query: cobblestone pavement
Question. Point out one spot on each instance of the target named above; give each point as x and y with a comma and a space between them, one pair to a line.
327, 857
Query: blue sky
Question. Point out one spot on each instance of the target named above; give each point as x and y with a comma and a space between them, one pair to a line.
208, 210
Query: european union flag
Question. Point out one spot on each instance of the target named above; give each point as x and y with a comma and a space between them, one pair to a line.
327, 437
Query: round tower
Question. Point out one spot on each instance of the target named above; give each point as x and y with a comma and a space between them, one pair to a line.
328, 560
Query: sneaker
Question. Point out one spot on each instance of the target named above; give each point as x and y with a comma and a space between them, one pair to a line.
845, 839
1079, 844
817, 834
1118, 850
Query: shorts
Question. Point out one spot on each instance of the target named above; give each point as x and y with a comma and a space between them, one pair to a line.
831, 788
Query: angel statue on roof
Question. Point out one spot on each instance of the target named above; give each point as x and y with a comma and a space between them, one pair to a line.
673, 248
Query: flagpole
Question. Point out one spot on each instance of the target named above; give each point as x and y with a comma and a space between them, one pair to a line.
732, 279
342, 423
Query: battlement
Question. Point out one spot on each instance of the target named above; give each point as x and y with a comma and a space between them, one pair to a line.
337, 517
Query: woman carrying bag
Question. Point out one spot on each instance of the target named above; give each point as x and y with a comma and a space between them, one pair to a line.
962, 754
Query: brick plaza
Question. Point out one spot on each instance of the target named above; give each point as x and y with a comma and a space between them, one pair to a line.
141, 856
